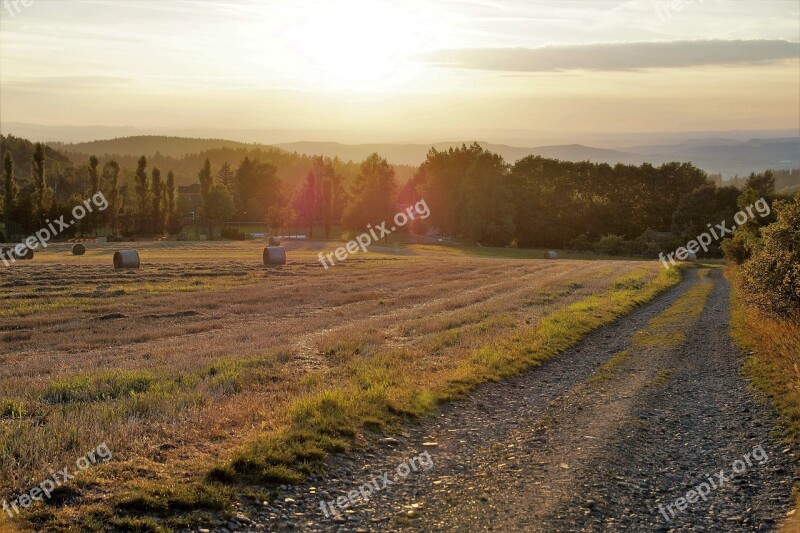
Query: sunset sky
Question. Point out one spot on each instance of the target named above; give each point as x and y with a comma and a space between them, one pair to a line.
412, 69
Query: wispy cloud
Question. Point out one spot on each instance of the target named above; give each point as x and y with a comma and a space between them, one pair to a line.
67, 82
618, 56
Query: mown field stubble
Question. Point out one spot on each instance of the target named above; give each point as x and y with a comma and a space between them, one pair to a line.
212, 377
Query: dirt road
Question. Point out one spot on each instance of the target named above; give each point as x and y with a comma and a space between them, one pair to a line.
647, 425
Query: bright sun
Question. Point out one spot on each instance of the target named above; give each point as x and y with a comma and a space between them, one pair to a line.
357, 44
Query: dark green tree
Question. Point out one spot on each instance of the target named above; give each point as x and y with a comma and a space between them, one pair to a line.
327, 206
306, 203
142, 195
219, 206
10, 192
227, 178
93, 219
111, 186
374, 195
173, 223
157, 198
206, 184
40, 192
763, 184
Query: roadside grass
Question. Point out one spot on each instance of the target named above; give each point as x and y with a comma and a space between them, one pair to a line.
773, 367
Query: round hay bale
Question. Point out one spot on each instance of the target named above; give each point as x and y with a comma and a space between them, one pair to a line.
126, 259
274, 241
78, 249
27, 253
11, 253
274, 256
550, 255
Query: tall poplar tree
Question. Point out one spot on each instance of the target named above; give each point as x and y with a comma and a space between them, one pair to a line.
142, 190
10, 189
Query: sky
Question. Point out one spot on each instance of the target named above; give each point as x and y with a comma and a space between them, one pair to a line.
363, 70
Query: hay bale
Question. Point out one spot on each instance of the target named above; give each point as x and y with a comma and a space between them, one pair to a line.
11, 253
274, 256
126, 259
274, 241
78, 249
550, 255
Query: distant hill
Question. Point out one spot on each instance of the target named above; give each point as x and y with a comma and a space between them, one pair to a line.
185, 156
725, 156
22, 152
414, 154
150, 145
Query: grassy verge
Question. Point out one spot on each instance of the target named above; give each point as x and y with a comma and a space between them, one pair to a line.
376, 392
773, 366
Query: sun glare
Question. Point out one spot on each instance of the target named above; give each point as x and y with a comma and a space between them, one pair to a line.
357, 44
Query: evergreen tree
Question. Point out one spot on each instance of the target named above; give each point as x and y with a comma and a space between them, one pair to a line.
157, 198
173, 224
306, 203
142, 194
111, 178
40, 196
10, 189
374, 195
93, 219
206, 184
227, 178
327, 207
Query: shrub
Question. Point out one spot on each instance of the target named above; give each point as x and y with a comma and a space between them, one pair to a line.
581, 243
611, 245
771, 277
233, 234
740, 247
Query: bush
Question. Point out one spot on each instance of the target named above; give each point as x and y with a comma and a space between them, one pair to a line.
233, 234
740, 247
581, 243
771, 277
611, 245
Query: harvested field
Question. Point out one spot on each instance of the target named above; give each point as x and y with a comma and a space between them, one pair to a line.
181, 363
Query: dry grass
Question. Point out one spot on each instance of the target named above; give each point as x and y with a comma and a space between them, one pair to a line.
773, 365
179, 363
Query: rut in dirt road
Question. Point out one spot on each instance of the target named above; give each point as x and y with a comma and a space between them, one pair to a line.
611, 435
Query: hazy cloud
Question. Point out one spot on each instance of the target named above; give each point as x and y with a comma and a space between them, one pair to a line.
617, 56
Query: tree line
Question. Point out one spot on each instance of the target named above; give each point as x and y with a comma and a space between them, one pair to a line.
473, 194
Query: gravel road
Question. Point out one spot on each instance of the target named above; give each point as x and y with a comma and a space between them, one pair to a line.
558, 449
